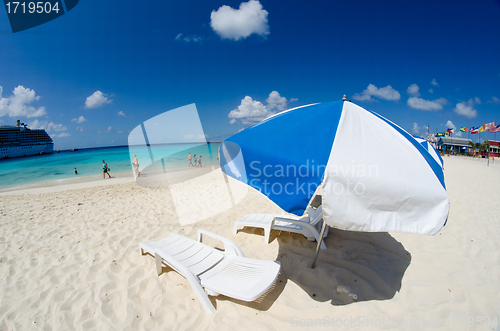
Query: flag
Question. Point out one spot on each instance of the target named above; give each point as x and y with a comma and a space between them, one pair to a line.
450, 130
495, 128
488, 125
446, 134
474, 130
464, 129
481, 128
440, 134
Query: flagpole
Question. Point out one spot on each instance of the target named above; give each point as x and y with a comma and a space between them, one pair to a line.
451, 136
488, 146
467, 135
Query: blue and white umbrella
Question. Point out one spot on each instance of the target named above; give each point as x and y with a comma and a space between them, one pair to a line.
432, 151
374, 176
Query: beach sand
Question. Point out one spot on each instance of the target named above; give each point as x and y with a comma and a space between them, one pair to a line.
69, 260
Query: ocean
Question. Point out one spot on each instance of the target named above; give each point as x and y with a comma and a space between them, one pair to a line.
59, 167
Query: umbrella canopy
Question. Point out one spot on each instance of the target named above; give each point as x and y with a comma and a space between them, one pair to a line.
432, 151
374, 175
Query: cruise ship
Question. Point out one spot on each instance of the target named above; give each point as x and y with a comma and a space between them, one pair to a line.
18, 141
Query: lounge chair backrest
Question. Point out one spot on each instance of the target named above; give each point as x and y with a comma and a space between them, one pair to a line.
315, 215
192, 254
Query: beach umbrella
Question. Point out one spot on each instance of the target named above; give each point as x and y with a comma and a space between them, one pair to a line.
432, 151
374, 176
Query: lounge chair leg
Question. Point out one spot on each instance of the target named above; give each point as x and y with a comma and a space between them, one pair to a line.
202, 296
235, 230
158, 261
267, 233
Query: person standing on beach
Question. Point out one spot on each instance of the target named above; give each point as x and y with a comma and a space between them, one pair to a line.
199, 161
135, 163
190, 161
195, 161
105, 170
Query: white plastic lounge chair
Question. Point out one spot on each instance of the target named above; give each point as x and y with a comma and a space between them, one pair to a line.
309, 226
211, 271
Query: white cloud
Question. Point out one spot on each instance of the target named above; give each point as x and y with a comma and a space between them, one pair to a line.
430, 90
275, 101
251, 111
107, 130
18, 104
121, 113
421, 104
466, 109
477, 100
495, 100
62, 135
413, 90
450, 125
96, 100
240, 23
434, 82
188, 39
79, 120
47, 126
386, 93
416, 129
79, 128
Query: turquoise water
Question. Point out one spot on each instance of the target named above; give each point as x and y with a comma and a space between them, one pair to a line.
58, 167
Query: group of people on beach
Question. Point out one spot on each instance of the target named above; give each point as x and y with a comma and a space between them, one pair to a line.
135, 163
197, 161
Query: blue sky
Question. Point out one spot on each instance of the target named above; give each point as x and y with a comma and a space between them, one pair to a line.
92, 75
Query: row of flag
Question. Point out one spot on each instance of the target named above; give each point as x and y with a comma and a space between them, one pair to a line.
472, 130
485, 127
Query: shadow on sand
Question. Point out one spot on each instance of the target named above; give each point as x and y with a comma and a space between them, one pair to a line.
356, 266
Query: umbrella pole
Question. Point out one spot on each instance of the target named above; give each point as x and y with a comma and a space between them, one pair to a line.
323, 227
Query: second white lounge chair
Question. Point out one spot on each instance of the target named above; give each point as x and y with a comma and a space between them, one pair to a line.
210, 271
309, 226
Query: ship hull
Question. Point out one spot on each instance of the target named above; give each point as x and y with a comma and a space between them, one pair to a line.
19, 151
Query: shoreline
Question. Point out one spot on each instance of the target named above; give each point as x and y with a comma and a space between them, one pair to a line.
68, 184
174, 174
56, 169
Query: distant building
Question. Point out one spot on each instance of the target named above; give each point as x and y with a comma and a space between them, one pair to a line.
453, 145
494, 148
432, 139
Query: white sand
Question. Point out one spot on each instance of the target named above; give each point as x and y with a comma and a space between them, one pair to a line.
69, 259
